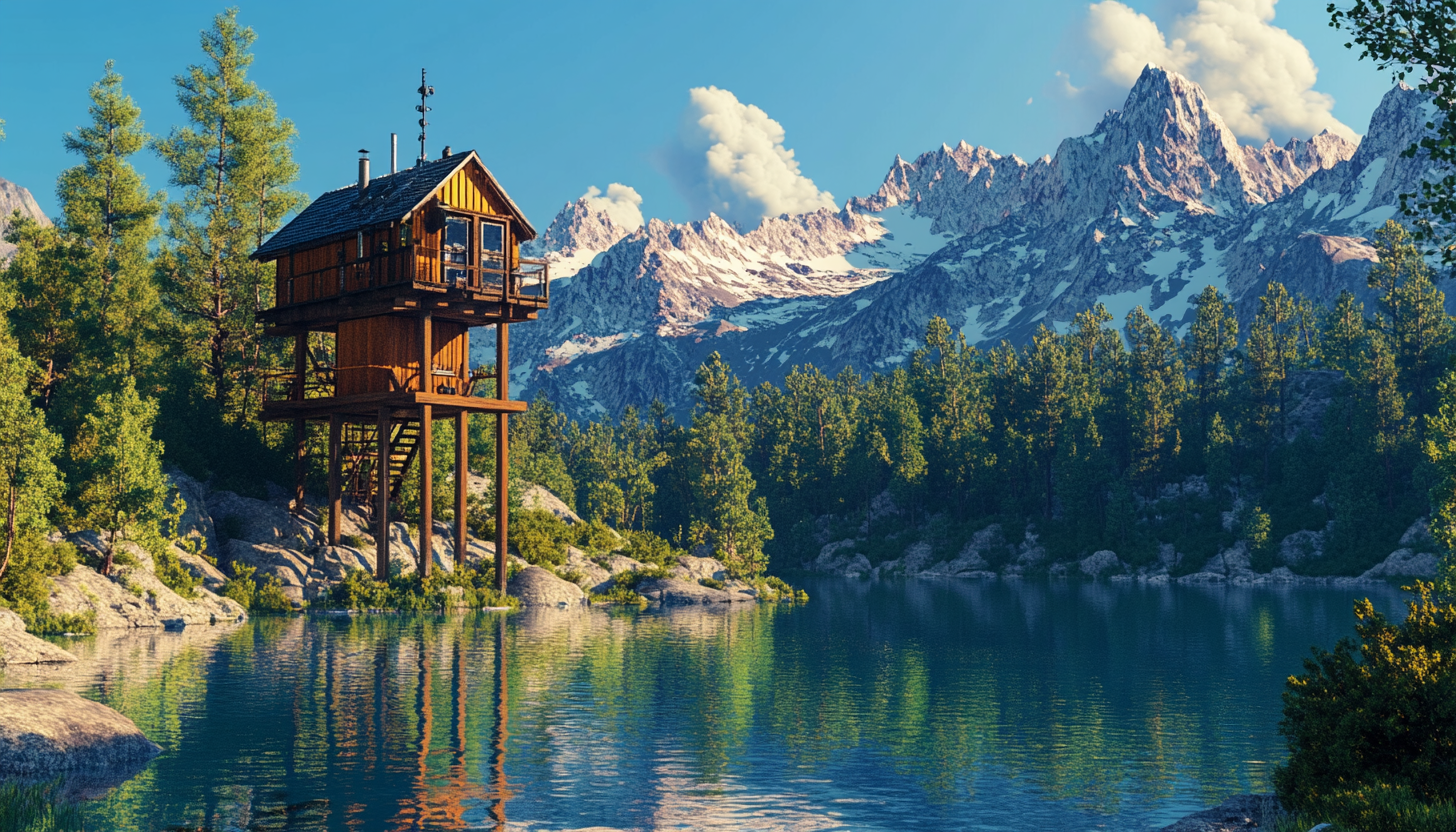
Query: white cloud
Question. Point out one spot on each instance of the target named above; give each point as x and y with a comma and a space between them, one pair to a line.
1257, 76
729, 159
622, 203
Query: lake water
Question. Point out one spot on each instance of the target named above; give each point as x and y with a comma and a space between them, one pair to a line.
920, 704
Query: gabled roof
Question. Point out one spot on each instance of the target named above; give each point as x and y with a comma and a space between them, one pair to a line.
389, 198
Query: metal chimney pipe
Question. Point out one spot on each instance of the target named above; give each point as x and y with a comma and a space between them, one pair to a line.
363, 172
394, 153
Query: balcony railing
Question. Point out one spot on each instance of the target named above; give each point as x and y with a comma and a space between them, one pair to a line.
528, 283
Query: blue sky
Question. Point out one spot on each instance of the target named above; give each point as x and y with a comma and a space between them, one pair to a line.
562, 96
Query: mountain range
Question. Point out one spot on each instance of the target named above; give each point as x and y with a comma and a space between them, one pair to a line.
1157, 202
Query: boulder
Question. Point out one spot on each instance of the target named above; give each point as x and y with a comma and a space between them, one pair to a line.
45, 733
257, 521
841, 559
536, 587
539, 498
593, 577
211, 577
1404, 563
1418, 536
404, 547
1302, 547
674, 592
1232, 562
135, 598
19, 647
195, 522
1243, 811
1097, 564
289, 566
689, 568
617, 564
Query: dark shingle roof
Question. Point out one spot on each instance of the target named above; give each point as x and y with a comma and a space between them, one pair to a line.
389, 199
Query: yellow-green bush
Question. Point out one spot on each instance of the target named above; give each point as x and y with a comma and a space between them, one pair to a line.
1378, 723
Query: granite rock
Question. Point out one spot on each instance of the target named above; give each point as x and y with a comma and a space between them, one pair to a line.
19, 647
44, 733
536, 587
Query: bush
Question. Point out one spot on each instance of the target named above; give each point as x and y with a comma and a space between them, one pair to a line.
26, 585
624, 586
649, 548
360, 591
540, 537
1383, 808
1382, 724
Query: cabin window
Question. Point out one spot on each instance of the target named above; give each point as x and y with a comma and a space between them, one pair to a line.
359, 240
404, 234
455, 250
492, 250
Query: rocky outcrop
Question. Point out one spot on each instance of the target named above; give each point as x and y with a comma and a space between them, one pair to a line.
1404, 563
1240, 812
590, 575
536, 587
671, 592
689, 568
45, 733
19, 647
236, 517
15, 198
840, 558
134, 597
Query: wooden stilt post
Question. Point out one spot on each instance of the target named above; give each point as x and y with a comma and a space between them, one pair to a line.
381, 506
427, 490
462, 482
502, 452
336, 498
300, 427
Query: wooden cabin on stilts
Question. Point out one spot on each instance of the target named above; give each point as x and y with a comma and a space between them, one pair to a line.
399, 269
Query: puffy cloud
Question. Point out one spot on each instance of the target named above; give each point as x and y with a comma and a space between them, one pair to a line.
621, 202
1257, 76
729, 158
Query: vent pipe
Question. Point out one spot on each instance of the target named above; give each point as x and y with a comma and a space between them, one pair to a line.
363, 170
394, 153
446, 153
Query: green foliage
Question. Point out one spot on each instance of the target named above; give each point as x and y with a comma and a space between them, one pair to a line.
258, 595
624, 586
38, 807
648, 548
711, 583
1382, 719
26, 585
29, 481
540, 537
123, 486
409, 593
1379, 807
1255, 529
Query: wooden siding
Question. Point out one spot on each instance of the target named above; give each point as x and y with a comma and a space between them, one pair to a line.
381, 355
319, 272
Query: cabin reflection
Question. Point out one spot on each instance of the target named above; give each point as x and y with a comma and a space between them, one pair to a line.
453, 785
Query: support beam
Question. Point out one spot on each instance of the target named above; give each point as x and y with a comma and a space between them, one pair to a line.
336, 497
462, 482
502, 453
427, 354
300, 427
427, 490
381, 499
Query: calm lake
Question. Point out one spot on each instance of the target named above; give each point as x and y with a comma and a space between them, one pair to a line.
918, 704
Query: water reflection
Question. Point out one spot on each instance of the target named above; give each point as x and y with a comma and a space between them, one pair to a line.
918, 704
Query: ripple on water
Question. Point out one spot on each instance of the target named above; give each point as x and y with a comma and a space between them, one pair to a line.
891, 705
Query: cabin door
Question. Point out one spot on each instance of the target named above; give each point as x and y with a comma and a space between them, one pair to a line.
456, 251
493, 252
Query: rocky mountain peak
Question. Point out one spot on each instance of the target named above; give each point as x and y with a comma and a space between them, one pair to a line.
578, 233
15, 198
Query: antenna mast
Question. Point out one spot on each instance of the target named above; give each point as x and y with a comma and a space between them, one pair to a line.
425, 92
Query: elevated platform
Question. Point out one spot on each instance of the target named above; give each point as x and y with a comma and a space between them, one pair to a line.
445, 303
402, 405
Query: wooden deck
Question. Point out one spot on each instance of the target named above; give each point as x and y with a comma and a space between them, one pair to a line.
457, 305
402, 405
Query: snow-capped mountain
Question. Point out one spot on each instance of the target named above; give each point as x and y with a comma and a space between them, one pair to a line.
1157, 202
577, 234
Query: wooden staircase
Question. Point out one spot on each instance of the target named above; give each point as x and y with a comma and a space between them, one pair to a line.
360, 453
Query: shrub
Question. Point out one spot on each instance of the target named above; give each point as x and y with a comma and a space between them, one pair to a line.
241, 587
26, 586
269, 597
649, 548
624, 586
37, 807
711, 583
360, 591
1381, 724
540, 537
1379, 807
595, 537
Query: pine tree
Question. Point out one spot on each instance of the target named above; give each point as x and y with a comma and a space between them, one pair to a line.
29, 482
1413, 313
1271, 350
124, 490
1207, 347
47, 313
950, 385
1156, 384
110, 218
234, 165
1345, 335
725, 517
